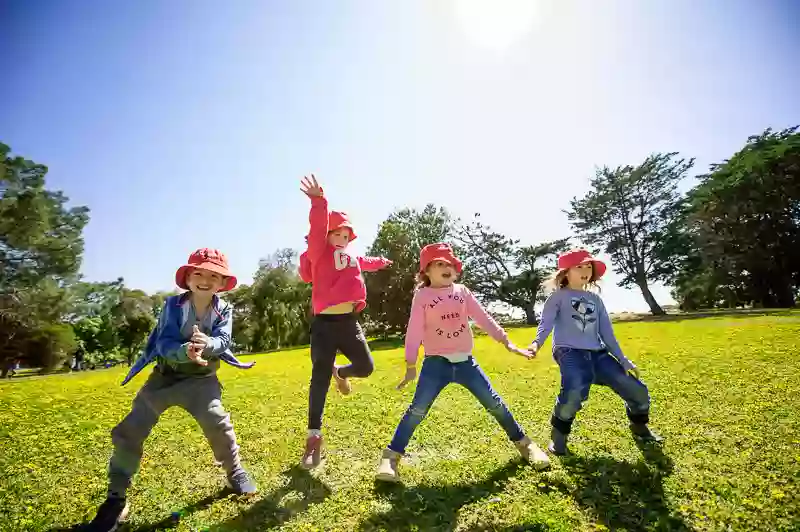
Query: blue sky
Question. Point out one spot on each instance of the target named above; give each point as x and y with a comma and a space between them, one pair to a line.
184, 124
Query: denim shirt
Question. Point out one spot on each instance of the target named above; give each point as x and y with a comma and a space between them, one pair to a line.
167, 342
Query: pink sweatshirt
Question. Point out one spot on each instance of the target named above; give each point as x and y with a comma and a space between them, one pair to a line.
440, 322
335, 274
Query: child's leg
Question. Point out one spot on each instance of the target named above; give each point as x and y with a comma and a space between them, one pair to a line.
436, 373
323, 354
470, 375
353, 344
609, 372
202, 398
129, 435
576, 380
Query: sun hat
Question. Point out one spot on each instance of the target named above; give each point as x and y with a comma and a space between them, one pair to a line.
339, 219
438, 251
576, 257
212, 260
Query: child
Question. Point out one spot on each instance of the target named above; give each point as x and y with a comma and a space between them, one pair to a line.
338, 294
439, 321
192, 335
586, 350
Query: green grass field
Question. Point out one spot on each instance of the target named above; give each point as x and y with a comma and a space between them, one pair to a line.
726, 395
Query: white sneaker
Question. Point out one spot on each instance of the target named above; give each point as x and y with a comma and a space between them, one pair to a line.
532, 454
387, 470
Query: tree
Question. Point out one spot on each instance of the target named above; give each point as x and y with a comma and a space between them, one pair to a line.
133, 320
498, 269
400, 238
744, 217
627, 212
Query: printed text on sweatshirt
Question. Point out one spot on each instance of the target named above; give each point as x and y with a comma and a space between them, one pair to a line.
580, 321
440, 322
336, 274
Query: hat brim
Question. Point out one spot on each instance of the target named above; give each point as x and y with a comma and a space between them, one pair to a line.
230, 280
598, 265
455, 263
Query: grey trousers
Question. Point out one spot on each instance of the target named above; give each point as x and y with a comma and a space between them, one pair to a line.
200, 396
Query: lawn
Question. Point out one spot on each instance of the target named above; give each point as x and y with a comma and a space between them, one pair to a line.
726, 395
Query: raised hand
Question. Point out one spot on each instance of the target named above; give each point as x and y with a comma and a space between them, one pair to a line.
195, 354
310, 187
199, 339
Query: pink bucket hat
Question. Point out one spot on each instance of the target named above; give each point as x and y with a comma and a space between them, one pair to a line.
212, 260
438, 251
576, 257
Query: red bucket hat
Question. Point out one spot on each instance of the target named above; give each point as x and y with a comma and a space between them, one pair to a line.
212, 260
438, 251
337, 220
575, 257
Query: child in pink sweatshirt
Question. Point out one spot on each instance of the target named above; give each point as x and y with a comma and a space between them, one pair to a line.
439, 321
338, 294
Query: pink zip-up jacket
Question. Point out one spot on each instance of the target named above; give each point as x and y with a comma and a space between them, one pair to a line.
336, 275
440, 322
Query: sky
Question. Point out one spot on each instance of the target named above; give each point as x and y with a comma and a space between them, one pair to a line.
189, 123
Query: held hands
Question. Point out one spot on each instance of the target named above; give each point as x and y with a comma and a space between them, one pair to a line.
410, 376
533, 348
516, 350
197, 344
310, 187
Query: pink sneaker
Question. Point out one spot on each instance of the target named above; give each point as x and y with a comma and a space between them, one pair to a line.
312, 456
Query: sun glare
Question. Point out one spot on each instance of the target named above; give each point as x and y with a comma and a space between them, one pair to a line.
495, 24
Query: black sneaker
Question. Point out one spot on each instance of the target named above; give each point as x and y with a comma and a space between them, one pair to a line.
109, 516
643, 433
241, 483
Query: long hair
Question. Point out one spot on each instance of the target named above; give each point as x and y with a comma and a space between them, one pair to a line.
558, 280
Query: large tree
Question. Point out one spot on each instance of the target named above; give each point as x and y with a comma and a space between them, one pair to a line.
627, 212
400, 238
41, 246
744, 216
133, 320
498, 269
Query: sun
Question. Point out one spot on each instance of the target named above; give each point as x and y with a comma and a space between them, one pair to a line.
495, 24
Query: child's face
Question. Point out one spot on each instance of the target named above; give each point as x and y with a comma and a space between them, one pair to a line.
204, 281
579, 276
339, 238
441, 274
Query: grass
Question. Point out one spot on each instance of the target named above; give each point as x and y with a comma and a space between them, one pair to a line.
726, 394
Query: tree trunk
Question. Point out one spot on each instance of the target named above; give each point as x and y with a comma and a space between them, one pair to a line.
655, 308
530, 315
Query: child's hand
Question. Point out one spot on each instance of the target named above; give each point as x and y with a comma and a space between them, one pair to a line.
195, 354
522, 352
411, 374
533, 348
200, 339
310, 187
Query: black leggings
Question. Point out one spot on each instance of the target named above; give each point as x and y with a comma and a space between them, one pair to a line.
331, 333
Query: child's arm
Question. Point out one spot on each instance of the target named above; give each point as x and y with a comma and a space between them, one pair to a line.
304, 269
415, 331
607, 336
483, 319
220, 338
549, 313
317, 218
373, 264
168, 342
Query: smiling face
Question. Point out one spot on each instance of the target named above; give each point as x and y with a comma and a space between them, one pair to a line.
339, 238
579, 276
204, 281
441, 274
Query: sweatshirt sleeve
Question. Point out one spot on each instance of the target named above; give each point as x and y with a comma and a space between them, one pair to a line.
373, 264
609, 339
221, 332
168, 341
483, 319
318, 233
416, 329
549, 314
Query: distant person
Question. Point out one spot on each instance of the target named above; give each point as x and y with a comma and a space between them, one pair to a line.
338, 294
440, 314
192, 335
586, 350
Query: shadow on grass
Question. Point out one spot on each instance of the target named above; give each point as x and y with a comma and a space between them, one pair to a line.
624, 495
432, 507
271, 510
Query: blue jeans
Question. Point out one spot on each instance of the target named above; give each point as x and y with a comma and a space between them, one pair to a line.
579, 370
437, 372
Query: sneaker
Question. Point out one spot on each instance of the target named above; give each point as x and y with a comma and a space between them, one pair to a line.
532, 454
312, 455
558, 443
387, 470
241, 483
342, 383
643, 433
110, 515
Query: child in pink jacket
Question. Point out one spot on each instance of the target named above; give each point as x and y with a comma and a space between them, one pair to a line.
439, 321
338, 294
